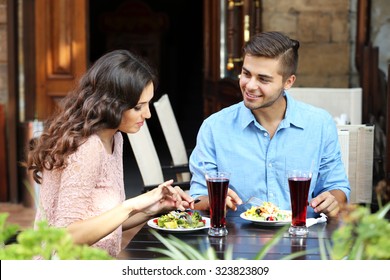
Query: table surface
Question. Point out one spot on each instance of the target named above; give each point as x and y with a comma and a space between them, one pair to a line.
246, 238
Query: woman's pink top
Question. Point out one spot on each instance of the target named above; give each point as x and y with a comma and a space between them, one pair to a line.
91, 184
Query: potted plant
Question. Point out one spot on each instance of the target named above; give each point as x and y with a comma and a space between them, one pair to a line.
44, 242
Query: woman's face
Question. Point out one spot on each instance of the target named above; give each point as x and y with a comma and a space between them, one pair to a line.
134, 118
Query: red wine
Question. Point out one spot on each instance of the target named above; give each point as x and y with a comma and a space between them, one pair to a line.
299, 191
218, 188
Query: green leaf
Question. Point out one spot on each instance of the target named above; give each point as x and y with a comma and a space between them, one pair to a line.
260, 255
171, 246
383, 211
46, 243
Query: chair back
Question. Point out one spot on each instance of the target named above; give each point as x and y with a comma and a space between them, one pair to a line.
172, 133
357, 153
146, 156
336, 101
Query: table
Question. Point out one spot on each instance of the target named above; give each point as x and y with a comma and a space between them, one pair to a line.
246, 238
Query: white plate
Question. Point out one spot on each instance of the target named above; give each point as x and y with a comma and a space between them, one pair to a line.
152, 224
265, 223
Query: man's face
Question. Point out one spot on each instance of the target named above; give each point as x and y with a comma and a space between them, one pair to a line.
260, 82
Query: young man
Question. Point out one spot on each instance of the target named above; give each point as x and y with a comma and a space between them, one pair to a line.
269, 132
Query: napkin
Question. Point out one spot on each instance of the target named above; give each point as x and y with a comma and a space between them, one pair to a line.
312, 221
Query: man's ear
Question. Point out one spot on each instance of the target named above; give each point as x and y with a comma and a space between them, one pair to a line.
289, 82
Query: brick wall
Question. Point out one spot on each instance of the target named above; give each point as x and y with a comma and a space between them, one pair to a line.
324, 31
3, 52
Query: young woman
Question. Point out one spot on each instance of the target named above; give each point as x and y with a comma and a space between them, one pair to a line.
78, 158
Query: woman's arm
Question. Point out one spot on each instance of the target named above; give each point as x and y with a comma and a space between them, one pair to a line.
135, 220
77, 207
131, 213
91, 230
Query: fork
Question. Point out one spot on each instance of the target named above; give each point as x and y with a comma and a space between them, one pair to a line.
188, 218
254, 201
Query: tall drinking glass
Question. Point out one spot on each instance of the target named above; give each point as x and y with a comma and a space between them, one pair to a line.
217, 184
299, 184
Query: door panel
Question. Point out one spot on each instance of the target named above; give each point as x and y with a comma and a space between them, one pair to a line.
61, 53
228, 25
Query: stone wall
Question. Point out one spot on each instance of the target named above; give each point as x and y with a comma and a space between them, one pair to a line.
3, 52
324, 31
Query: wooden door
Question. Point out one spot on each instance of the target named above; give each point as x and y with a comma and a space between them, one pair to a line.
61, 50
54, 45
227, 25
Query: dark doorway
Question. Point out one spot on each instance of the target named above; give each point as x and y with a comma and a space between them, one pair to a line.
169, 34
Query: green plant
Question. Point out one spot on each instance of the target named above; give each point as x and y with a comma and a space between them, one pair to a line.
6, 231
362, 236
44, 242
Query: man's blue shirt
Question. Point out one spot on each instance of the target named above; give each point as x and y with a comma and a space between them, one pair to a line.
232, 140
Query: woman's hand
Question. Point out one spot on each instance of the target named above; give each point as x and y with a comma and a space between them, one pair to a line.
161, 199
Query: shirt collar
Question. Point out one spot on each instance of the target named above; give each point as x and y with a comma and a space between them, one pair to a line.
293, 114
246, 116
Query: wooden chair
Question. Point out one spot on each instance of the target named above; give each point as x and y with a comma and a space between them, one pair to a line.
357, 151
172, 135
148, 162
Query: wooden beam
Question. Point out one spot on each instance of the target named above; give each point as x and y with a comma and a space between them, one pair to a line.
387, 161
365, 82
3, 158
362, 30
12, 110
375, 101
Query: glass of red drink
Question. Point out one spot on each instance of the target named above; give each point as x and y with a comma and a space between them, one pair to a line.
217, 184
299, 184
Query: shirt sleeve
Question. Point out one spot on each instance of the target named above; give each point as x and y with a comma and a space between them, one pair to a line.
332, 173
202, 158
78, 181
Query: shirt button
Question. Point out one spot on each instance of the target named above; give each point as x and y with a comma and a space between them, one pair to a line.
270, 165
265, 134
271, 195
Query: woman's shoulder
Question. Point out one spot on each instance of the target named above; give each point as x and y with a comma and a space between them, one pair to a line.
92, 142
89, 150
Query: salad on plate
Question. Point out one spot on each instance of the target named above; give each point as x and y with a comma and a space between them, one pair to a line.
180, 220
267, 212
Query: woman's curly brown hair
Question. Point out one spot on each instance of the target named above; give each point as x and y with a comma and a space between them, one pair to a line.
111, 86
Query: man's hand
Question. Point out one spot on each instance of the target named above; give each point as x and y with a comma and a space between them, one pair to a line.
232, 200
328, 203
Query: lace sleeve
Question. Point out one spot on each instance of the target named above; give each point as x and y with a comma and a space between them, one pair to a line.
78, 181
